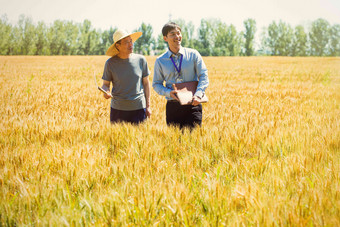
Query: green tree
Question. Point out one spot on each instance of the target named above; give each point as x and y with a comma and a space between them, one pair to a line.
319, 37
27, 32
96, 42
233, 41
190, 30
299, 42
249, 36
87, 38
160, 44
41, 40
221, 40
271, 40
144, 44
5, 35
69, 46
264, 43
206, 37
334, 41
286, 38
15, 42
56, 36
279, 38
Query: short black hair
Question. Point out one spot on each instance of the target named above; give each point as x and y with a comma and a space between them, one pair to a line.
168, 27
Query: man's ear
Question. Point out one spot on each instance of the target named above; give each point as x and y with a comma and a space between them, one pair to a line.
165, 38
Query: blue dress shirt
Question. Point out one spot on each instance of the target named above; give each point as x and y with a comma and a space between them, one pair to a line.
193, 69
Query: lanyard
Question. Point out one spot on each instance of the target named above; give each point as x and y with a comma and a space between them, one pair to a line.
180, 64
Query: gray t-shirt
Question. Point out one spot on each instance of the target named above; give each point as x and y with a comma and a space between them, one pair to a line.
126, 76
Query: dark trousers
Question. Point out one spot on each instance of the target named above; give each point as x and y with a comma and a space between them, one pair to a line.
131, 116
183, 116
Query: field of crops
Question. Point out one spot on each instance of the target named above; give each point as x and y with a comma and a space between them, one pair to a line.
267, 154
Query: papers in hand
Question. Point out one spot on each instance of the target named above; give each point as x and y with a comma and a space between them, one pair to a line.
99, 88
102, 90
186, 91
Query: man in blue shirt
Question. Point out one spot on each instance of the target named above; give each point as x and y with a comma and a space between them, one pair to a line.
178, 65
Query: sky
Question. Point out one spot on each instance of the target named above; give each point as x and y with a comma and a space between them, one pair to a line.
129, 14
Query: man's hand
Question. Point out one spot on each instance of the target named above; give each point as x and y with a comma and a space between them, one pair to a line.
148, 112
107, 95
173, 94
196, 101
106, 87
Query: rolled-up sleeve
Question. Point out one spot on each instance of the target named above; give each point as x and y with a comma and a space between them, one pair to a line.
158, 81
202, 74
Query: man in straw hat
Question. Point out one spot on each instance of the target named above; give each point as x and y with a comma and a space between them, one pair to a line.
178, 65
128, 73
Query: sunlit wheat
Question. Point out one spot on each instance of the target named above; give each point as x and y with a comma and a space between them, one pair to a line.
267, 153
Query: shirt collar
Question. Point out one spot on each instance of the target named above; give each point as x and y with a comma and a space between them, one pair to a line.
181, 51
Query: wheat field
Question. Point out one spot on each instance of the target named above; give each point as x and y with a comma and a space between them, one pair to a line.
267, 153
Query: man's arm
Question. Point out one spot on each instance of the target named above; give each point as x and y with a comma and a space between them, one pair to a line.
106, 87
146, 86
158, 81
203, 80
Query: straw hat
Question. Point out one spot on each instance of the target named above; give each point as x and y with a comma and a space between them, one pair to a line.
119, 35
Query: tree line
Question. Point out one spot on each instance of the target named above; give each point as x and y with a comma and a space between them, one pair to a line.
212, 38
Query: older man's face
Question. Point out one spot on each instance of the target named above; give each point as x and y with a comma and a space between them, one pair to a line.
125, 46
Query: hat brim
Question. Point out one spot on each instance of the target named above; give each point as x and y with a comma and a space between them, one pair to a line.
112, 51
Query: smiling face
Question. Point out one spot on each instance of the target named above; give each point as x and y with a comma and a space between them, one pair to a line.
174, 39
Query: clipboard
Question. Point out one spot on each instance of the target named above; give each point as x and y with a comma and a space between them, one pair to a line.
186, 91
